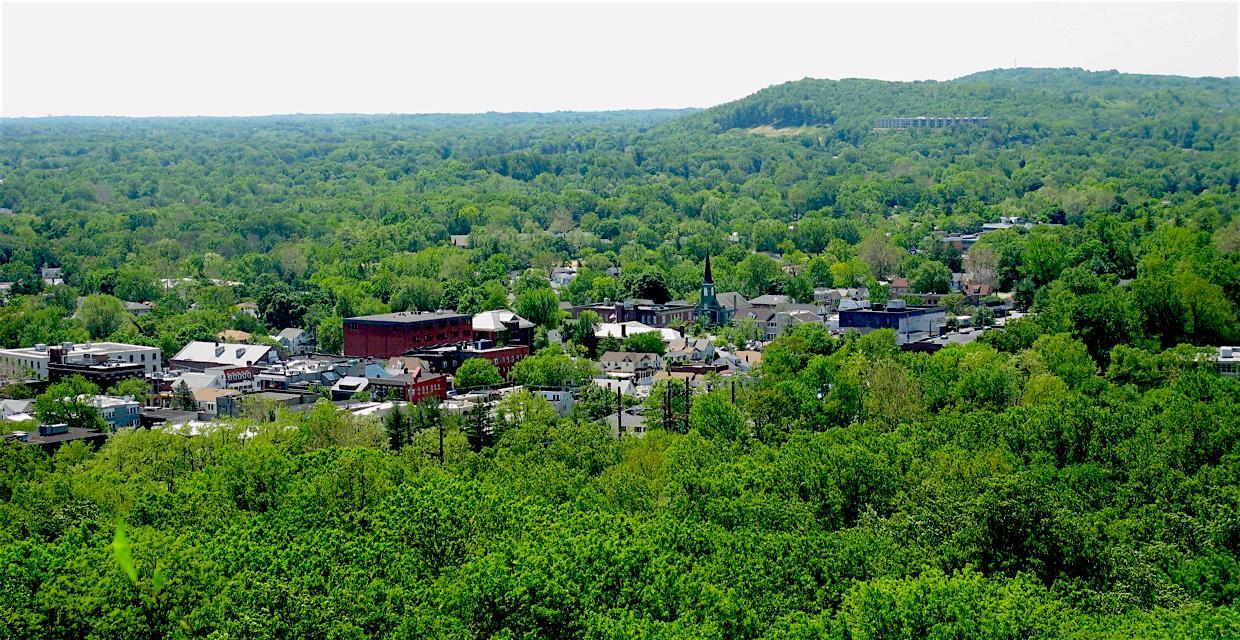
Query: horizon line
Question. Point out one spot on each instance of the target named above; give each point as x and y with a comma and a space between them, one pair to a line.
302, 114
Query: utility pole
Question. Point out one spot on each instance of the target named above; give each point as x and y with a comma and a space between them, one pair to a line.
619, 413
667, 406
688, 393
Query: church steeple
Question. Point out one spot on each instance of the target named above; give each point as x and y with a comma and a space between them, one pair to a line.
708, 306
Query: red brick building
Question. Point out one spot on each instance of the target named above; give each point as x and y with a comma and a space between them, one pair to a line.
448, 359
392, 334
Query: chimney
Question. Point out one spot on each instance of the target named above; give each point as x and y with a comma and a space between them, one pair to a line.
682, 331
624, 330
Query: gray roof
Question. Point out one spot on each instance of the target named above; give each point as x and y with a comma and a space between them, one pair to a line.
768, 300
291, 334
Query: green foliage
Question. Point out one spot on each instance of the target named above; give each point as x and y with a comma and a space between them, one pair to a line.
645, 342
68, 402
552, 367
476, 373
999, 489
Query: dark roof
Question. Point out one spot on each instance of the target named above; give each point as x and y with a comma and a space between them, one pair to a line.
708, 279
406, 317
73, 433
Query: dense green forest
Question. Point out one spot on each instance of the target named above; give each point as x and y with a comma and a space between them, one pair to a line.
1075, 474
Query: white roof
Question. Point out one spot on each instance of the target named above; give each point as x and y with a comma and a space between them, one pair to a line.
633, 327
492, 321
223, 353
351, 383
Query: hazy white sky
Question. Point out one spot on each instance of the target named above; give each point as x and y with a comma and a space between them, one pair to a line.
235, 59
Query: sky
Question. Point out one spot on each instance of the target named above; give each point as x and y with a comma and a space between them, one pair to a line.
184, 58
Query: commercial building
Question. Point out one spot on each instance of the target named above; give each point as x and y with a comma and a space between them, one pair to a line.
50, 437
448, 359
414, 386
392, 334
201, 355
910, 323
643, 311
32, 362
95, 368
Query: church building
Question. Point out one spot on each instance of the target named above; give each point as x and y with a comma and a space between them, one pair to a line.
708, 307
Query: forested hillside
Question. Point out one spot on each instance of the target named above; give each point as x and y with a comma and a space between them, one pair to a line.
1075, 474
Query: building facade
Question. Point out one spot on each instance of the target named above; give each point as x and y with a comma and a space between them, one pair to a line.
909, 323
33, 362
392, 334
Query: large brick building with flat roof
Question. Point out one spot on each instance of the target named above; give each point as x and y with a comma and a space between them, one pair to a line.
392, 334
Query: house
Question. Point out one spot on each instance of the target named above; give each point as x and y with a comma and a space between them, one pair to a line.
635, 366
974, 293
119, 413
295, 341
831, 296
248, 308
10, 408
561, 399
900, 286
200, 355
207, 399
562, 276
910, 323
689, 350
764, 317
1227, 362
234, 335
785, 320
958, 281
503, 327
460, 240
51, 276
630, 422
139, 308
769, 301
625, 387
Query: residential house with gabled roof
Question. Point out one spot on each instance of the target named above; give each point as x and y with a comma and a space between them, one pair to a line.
636, 366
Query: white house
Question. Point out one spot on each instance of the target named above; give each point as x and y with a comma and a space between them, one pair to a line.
638, 367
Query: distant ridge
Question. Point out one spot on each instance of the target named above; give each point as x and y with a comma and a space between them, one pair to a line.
853, 105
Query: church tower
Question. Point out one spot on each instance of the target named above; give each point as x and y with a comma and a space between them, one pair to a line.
708, 306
